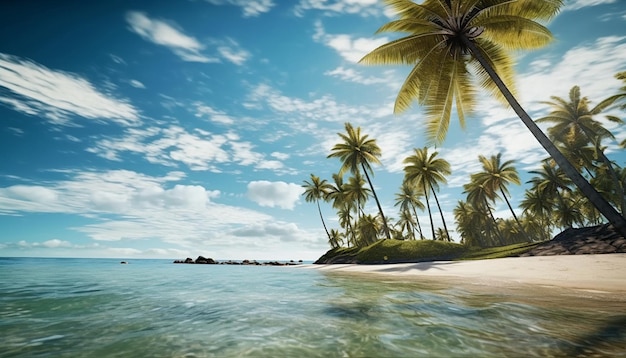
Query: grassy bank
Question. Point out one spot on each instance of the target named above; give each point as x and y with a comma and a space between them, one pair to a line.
397, 251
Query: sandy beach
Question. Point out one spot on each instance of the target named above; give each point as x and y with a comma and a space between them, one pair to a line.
606, 272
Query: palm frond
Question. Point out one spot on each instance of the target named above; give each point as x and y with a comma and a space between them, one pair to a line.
515, 32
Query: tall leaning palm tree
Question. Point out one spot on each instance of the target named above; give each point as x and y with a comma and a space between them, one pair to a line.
450, 41
315, 190
356, 152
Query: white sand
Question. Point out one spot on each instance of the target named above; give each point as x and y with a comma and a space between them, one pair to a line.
588, 272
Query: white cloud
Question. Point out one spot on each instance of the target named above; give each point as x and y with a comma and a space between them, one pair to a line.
337, 7
199, 150
274, 194
232, 52
57, 95
250, 8
165, 34
351, 75
129, 205
213, 114
579, 4
351, 49
56, 243
136, 84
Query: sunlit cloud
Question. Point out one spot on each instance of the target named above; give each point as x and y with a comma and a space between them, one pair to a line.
59, 96
274, 194
348, 47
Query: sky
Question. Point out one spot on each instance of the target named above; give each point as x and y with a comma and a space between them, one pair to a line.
172, 129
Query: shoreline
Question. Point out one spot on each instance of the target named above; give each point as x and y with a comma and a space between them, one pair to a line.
601, 272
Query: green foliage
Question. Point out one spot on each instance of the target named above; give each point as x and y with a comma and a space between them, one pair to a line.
397, 251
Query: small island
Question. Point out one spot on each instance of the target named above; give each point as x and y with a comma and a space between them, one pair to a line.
201, 260
600, 239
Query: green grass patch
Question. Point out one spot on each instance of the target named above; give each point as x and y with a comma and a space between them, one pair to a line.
498, 252
393, 251
397, 251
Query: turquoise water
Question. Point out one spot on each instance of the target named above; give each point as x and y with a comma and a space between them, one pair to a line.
153, 308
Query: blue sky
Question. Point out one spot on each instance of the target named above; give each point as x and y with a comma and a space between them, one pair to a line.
167, 129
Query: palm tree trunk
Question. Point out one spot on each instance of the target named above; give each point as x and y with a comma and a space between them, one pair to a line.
609, 212
380, 209
519, 224
445, 227
417, 219
495, 223
322, 217
430, 214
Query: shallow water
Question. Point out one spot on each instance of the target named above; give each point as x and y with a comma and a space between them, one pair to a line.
152, 308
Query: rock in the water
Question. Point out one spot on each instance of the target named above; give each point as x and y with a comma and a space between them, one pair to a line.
204, 260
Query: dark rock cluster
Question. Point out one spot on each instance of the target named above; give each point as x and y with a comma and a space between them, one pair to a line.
209, 261
601, 239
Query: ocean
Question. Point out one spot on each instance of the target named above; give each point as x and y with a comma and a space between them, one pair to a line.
153, 308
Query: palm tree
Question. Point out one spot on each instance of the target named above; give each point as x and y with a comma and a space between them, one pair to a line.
447, 38
551, 181
441, 235
409, 198
356, 191
468, 221
315, 190
574, 121
538, 204
407, 223
426, 171
335, 238
356, 153
478, 196
343, 204
496, 176
369, 227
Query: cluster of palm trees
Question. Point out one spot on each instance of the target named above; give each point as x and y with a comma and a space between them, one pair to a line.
457, 47
357, 152
551, 203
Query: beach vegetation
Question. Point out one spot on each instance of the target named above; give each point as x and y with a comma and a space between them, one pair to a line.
399, 251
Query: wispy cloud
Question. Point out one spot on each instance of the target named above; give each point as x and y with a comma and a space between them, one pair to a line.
337, 7
198, 150
249, 8
238, 57
352, 75
58, 96
169, 35
579, 4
